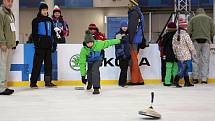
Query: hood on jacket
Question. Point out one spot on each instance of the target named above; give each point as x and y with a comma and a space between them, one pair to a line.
200, 11
6, 10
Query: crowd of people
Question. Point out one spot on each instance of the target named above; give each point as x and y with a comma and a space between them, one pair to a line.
184, 49
185, 52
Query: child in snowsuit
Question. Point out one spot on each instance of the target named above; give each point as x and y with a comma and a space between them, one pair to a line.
91, 54
122, 52
184, 50
171, 61
43, 34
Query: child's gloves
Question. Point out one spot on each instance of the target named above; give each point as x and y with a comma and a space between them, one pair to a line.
84, 81
125, 39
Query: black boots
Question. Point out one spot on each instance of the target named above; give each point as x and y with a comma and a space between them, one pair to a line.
195, 81
48, 82
89, 86
187, 82
33, 85
7, 92
96, 92
176, 81
167, 85
186, 79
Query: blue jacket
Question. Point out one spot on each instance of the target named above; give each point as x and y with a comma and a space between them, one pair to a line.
122, 50
43, 33
136, 25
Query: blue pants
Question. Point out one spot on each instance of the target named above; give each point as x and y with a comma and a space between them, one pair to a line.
184, 67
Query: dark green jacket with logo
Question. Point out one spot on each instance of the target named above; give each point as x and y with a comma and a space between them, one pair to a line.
7, 36
97, 46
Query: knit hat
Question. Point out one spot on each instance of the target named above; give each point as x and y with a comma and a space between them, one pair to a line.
123, 24
56, 9
43, 6
182, 23
92, 26
171, 26
88, 37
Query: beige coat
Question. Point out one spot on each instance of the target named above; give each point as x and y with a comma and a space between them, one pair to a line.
7, 36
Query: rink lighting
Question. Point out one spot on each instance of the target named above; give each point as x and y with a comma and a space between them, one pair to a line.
105, 19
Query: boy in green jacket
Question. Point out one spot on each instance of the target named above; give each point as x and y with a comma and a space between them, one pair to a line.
91, 54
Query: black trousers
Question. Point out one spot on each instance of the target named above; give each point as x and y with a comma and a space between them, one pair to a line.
93, 74
163, 69
123, 64
40, 56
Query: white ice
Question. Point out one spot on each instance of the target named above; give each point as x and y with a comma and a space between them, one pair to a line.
113, 104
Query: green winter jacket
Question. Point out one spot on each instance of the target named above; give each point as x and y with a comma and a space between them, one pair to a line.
7, 37
201, 26
97, 46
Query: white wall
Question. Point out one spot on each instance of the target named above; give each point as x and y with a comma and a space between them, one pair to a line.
78, 20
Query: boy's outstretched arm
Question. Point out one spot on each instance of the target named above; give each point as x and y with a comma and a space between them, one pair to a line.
100, 45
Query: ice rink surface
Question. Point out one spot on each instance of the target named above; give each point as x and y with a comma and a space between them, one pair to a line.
113, 104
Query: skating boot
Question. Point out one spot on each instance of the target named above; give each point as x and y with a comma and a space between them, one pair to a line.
48, 82
176, 81
33, 86
7, 92
187, 82
89, 86
96, 92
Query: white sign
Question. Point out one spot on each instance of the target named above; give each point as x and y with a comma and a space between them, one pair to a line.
68, 69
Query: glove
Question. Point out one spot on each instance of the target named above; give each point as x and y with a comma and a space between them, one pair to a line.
84, 81
58, 31
125, 39
119, 36
17, 42
54, 45
53, 50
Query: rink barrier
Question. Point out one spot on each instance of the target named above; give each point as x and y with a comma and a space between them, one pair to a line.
79, 83
66, 69
74, 83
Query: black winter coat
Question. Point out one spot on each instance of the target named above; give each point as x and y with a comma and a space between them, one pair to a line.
167, 43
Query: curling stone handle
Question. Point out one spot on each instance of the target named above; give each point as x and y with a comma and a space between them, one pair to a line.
152, 97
